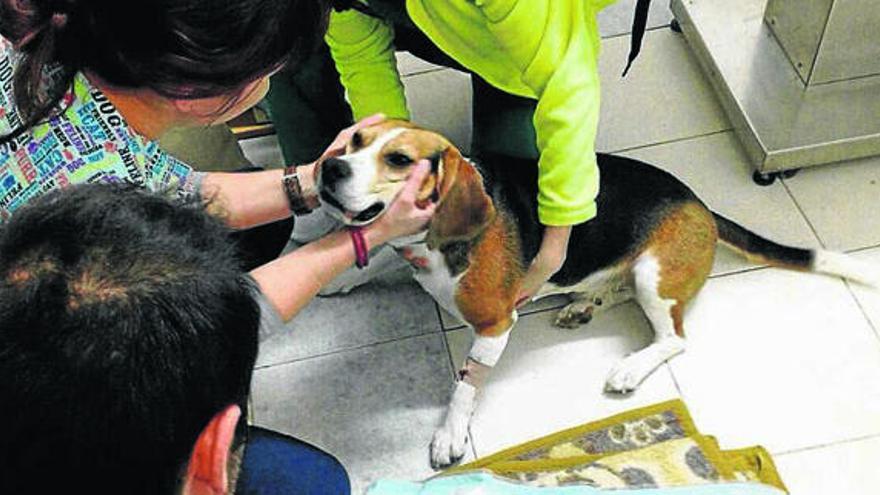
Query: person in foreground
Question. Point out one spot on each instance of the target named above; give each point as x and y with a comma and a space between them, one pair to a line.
128, 340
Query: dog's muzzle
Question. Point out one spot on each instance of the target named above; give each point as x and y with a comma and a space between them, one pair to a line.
334, 170
350, 217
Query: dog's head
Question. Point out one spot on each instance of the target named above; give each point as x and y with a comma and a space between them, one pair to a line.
358, 186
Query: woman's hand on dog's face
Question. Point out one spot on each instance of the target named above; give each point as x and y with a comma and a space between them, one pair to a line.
405, 216
337, 147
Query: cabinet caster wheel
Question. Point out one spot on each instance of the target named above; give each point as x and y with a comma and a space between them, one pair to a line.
764, 179
675, 26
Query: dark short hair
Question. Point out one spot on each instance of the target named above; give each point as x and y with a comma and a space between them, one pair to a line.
178, 48
126, 324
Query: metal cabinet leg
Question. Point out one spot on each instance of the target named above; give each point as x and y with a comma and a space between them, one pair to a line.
763, 179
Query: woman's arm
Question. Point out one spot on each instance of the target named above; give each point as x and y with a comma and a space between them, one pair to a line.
363, 50
562, 70
246, 199
555, 44
291, 281
550, 257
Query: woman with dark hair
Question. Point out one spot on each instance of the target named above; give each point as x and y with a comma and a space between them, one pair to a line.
88, 86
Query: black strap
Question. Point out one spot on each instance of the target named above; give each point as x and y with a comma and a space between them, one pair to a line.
342, 5
640, 22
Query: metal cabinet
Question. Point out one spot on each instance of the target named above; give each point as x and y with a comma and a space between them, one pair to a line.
799, 79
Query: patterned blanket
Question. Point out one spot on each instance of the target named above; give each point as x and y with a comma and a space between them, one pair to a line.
653, 447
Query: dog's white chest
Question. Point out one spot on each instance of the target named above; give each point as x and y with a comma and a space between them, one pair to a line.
436, 279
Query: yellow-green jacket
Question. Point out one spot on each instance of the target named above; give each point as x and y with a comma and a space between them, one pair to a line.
542, 49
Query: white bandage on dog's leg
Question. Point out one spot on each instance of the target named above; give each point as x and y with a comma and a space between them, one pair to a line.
487, 350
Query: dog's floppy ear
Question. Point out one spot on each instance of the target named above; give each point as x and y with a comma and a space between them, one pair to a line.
464, 209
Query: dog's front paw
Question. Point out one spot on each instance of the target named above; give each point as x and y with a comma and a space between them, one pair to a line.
447, 447
450, 439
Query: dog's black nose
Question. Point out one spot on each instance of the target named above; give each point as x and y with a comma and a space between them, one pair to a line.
334, 170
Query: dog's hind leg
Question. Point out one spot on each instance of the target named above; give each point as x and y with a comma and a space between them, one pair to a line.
664, 316
450, 440
670, 271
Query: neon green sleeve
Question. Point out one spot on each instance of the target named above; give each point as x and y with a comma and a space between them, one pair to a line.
557, 50
363, 50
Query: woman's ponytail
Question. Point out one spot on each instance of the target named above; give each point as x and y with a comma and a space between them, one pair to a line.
34, 28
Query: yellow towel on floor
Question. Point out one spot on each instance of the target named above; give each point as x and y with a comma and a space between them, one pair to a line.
654, 446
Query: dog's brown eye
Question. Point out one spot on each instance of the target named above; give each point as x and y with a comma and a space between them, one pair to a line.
398, 159
357, 140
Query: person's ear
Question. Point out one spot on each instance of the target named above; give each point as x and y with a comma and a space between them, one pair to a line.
206, 473
193, 108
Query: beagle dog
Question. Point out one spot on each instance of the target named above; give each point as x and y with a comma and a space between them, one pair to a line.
653, 241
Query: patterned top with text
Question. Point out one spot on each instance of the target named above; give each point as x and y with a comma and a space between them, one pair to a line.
87, 141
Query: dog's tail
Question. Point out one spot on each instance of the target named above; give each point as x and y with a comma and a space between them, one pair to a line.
760, 250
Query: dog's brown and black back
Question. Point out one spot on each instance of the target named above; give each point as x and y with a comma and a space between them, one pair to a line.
634, 198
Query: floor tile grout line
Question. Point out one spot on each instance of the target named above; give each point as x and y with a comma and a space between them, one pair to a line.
744, 270
828, 444
802, 212
452, 329
862, 309
473, 444
449, 356
425, 71
629, 33
861, 249
670, 141
348, 349
674, 379
439, 314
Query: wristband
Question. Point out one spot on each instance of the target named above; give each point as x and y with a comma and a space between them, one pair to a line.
299, 204
361, 251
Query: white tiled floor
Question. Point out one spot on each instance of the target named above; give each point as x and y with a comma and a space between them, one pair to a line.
786, 360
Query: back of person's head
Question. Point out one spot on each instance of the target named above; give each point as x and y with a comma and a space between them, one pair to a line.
182, 49
125, 326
